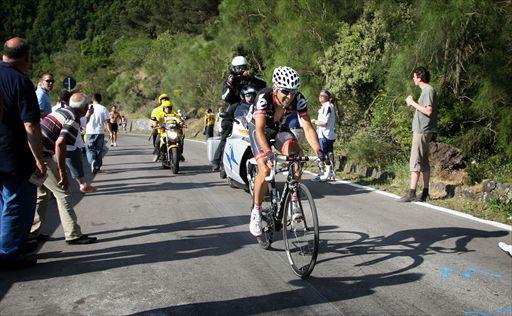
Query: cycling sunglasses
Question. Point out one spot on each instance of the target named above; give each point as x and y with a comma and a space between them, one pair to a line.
288, 92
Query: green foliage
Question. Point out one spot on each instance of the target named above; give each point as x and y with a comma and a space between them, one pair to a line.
353, 68
369, 149
363, 51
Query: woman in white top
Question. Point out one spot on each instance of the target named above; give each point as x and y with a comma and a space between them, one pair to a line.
325, 123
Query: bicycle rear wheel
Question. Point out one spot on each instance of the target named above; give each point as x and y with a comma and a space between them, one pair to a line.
301, 237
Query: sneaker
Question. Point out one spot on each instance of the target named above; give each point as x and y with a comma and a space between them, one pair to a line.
82, 240
155, 158
505, 247
215, 168
115, 144
324, 177
297, 215
89, 188
255, 225
111, 144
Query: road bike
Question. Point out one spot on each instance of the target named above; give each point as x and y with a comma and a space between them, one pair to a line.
301, 237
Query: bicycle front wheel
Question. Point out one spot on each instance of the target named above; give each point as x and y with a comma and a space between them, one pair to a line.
301, 232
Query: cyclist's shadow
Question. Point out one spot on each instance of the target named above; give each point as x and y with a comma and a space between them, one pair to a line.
412, 243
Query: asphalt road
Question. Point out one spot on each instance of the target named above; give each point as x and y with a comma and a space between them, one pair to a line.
179, 244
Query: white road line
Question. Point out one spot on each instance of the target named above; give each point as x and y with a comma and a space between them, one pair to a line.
434, 207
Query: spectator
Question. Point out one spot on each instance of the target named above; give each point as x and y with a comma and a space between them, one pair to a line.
95, 133
114, 125
64, 100
58, 129
74, 157
124, 122
44, 87
21, 154
326, 133
424, 125
209, 122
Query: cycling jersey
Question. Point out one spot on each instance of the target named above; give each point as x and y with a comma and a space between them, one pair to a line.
266, 103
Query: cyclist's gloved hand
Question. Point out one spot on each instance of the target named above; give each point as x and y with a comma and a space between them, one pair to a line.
320, 154
270, 156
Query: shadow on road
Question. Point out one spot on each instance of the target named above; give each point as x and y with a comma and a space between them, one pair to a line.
201, 238
414, 243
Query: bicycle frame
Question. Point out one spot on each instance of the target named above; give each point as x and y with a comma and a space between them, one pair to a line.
277, 199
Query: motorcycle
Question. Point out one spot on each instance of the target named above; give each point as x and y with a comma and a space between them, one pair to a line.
238, 154
171, 145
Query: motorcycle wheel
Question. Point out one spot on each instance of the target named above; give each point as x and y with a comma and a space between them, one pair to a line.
175, 160
165, 160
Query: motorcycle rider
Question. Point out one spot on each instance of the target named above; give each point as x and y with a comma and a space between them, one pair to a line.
154, 122
270, 110
165, 116
239, 77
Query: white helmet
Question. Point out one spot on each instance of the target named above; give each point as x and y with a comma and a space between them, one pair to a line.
239, 61
286, 78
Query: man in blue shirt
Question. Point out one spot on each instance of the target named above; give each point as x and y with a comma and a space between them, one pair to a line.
44, 87
21, 154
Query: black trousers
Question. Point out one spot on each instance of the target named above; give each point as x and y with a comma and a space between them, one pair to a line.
226, 131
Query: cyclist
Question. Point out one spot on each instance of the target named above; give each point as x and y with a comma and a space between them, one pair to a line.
269, 111
154, 122
239, 77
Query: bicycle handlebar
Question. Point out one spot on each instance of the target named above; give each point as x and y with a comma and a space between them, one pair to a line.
287, 159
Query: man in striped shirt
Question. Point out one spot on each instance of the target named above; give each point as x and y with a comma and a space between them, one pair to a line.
59, 129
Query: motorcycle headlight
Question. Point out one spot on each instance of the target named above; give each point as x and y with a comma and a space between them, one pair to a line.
172, 135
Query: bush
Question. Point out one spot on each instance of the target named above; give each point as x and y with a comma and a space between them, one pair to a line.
371, 150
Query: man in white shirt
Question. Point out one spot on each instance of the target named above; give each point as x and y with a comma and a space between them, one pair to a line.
95, 133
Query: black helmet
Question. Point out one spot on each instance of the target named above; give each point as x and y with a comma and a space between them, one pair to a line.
248, 90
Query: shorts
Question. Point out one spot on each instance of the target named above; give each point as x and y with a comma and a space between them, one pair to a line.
284, 142
420, 152
113, 127
327, 145
74, 163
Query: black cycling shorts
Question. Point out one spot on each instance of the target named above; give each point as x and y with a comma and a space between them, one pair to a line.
280, 140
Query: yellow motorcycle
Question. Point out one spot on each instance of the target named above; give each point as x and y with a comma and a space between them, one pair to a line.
171, 144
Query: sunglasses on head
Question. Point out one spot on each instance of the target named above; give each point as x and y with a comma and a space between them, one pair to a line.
288, 92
